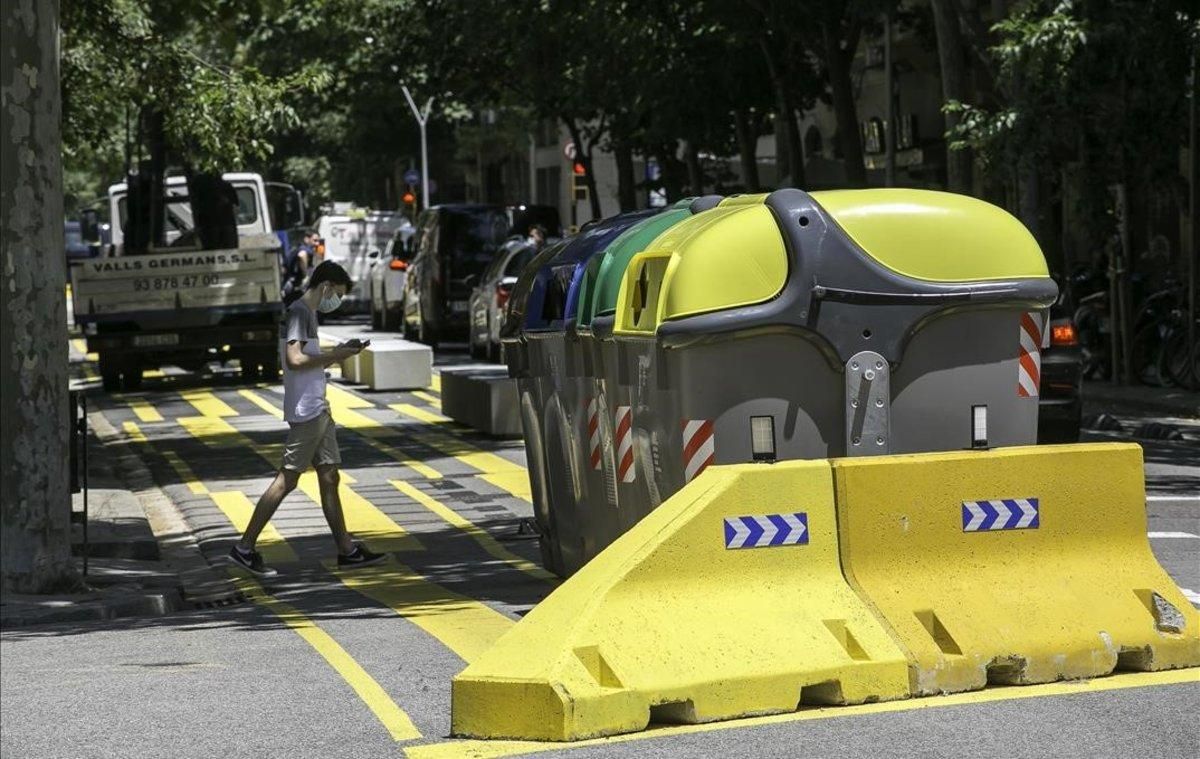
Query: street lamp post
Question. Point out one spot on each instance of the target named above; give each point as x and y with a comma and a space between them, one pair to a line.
422, 118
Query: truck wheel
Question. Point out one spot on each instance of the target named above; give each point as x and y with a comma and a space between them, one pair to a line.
110, 374
387, 319
270, 366
426, 333
131, 376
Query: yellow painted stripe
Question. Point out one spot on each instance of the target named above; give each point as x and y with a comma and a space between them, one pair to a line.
208, 404
490, 749
394, 720
185, 473
499, 471
429, 398
343, 405
480, 535
465, 626
153, 373
262, 403
135, 433
436, 383
238, 508
363, 518
144, 410
420, 414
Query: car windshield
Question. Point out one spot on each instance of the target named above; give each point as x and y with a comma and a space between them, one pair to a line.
470, 239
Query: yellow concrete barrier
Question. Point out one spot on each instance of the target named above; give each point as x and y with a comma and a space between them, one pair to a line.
1018, 565
726, 601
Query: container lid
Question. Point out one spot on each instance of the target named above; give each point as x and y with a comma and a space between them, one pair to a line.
727, 257
601, 281
551, 286
935, 236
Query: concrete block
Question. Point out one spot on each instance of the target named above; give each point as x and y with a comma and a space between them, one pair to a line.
395, 365
350, 370
484, 398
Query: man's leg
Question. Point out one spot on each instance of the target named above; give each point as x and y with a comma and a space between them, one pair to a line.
284, 483
331, 503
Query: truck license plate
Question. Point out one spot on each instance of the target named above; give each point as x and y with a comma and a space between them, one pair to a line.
150, 341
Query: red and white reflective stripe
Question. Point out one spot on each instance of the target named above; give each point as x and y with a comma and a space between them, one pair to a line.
593, 422
1029, 361
624, 434
698, 447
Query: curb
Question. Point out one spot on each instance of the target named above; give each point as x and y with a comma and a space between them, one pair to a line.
202, 585
154, 604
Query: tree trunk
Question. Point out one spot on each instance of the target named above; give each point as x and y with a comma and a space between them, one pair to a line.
789, 153
844, 108
695, 173
747, 139
35, 497
954, 87
626, 183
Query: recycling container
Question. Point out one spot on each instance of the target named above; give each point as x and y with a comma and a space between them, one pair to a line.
846, 323
617, 494
553, 369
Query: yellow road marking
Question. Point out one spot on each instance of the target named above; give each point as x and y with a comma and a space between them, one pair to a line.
208, 404
475, 749
429, 398
261, 402
153, 373
436, 383
363, 518
234, 504
465, 626
499, 471
480, 535
343, 403
238, 508
420, 414
394, 720
185, 473
144, 410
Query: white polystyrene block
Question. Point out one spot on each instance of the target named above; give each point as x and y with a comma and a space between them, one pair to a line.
395, 365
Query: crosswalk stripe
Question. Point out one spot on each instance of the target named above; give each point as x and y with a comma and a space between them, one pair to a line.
464, 625
480, 535
343, 405
499, 471
429, 398
208, 404
144, 410
234, 504
395, 721
363, 518
261, 402
271, 543
435, 384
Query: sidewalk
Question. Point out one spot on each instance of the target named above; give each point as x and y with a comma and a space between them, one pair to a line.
1173, 400
139, 564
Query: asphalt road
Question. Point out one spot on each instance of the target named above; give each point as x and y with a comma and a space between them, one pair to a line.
332, 664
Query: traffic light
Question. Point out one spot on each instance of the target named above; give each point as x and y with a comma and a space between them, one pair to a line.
409, 198
579, 181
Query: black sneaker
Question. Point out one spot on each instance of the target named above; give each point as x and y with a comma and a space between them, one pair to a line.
251, 561
360, 557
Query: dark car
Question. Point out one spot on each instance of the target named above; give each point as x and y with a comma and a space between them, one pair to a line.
1060, 403
77, 248
453, 246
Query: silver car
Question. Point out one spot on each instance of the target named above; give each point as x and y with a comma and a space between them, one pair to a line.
489, 298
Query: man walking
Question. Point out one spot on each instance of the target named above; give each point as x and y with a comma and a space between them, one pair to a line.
312, 438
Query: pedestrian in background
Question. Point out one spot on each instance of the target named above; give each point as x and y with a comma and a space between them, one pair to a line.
537, 236
312, 437
297, 264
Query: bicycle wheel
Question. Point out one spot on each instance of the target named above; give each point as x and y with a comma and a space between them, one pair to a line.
1174, 362
1145, 355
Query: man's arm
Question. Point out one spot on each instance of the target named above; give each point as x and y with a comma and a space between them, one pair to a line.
298, 359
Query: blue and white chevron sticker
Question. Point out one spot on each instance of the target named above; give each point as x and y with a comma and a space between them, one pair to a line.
766, 530
1000, 514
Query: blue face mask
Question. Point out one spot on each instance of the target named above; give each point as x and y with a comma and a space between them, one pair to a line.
329, 303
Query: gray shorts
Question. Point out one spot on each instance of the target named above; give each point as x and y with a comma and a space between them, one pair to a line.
313, 442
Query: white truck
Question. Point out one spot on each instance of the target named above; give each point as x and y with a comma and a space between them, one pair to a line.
181, 304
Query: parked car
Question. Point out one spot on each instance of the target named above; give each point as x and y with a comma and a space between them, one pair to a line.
453, 246
388, 278
490, 297
1060, 397
77, 249
349, 238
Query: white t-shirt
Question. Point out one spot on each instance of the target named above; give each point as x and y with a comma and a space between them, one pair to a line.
303, 389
